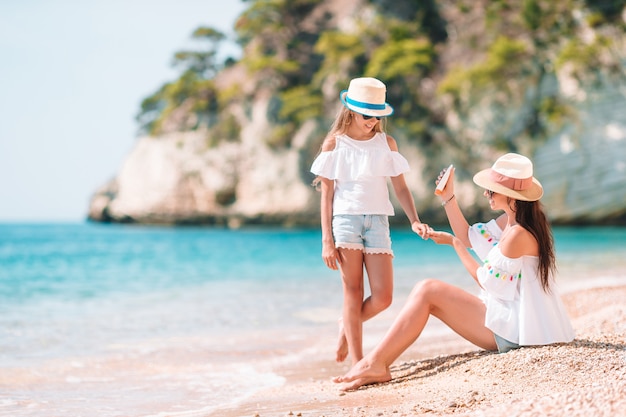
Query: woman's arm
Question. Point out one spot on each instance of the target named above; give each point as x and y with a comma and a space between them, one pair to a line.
467, 259
456, 218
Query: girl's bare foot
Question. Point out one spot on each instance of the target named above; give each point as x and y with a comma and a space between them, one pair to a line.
363, 373
342, 344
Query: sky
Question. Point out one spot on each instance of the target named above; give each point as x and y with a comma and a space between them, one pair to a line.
72, 77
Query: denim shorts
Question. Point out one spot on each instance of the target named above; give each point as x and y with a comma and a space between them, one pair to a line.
368, 233
504, 345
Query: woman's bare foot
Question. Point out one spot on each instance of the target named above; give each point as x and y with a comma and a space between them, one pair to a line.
342, 344
364, 373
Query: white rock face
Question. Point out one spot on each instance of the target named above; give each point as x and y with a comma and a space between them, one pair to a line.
583, 170
149, 176
173, 179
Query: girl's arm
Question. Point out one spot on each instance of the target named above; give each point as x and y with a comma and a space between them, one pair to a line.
408, 205
330, 255
329, 251
404, 196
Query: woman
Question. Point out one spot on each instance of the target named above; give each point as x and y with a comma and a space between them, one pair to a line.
518, 305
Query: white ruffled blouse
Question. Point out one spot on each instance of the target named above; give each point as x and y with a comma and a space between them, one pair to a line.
360, 169
518, 309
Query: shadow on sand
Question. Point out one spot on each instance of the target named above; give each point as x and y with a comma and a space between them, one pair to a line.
419, 369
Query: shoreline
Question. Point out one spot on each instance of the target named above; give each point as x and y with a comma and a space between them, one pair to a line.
243, 331
442, 374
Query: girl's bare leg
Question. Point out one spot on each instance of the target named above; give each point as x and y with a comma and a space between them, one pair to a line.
461, 311
342, 343
352, 279
380, 275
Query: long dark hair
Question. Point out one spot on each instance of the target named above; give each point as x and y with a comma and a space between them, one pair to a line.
530, 215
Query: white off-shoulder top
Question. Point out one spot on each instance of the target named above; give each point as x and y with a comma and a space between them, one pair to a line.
518, 309
360, 169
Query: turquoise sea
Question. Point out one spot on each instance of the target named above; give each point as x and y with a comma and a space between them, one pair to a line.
119, 320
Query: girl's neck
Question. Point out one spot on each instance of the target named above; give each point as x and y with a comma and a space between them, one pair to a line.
360, 135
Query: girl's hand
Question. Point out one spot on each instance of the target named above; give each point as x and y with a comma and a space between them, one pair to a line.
441, 238
421, 229
331, 256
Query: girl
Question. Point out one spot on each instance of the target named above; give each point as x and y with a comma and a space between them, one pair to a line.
352, 168
518, 305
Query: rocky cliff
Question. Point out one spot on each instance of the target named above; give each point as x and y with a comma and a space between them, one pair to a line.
171, 179
186, 177
583, 169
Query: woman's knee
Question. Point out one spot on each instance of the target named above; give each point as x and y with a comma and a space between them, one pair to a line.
424, 290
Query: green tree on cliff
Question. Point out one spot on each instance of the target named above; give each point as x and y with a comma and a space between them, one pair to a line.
515, 82
296, 53
192, 92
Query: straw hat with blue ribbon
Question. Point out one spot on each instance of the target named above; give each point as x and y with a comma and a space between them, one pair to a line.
366, 96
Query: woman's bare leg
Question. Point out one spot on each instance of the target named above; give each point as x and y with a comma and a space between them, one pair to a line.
461, 311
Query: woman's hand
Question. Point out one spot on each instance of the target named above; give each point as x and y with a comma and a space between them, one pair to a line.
442, 238
331, 255
421, 229
448, 190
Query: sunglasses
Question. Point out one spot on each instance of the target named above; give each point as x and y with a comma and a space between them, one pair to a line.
369, 117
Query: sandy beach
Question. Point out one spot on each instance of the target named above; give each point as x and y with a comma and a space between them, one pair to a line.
445, 375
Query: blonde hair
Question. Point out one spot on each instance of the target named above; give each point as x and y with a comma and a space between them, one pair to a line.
343, 120
339, 127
